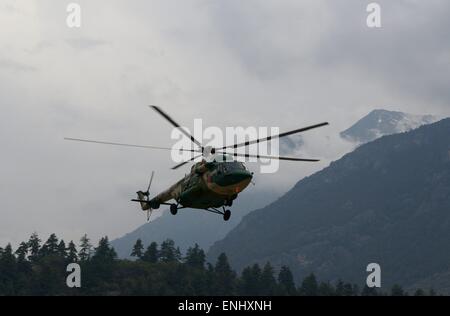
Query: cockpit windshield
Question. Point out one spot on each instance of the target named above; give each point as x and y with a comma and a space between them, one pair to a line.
232, 166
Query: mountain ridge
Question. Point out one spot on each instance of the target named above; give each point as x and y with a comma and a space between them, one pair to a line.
299, 229
189, 226
381, 122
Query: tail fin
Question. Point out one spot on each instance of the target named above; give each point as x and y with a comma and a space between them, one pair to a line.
143, 198
145, 206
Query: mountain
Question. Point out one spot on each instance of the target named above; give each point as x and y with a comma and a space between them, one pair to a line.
382, 122
387, 202
191, 226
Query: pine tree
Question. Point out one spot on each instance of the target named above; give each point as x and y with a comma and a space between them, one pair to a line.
249, 284
151, 255
256, 275
8, 256
72, 252
286, 281
340, 291
419, 292
268, 283
7, 271
397, 290
178, 254
168, 252
103, 252
62, 251
309, 286
85, 248
24, 267
349, 289
326, 289
50, 247
138, 249
34, 244
369, 291
244, 283
225, 278
210, 278
195, 257
355, 290
22, 252
102, 266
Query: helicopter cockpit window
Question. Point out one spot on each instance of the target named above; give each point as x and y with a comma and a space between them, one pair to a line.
228, 167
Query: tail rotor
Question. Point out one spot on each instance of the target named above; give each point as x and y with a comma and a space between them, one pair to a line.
144, 198
149, 184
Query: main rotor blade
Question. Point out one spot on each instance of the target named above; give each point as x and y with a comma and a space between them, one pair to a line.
269, 157
175, 124
128, 145
185, 162
265, 139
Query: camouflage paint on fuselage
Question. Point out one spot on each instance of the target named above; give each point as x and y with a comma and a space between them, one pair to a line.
209, 184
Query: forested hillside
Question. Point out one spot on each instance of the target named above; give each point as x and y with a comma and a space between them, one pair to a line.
387, 202
40, 269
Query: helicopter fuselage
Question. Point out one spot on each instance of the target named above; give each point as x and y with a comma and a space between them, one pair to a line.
208, 185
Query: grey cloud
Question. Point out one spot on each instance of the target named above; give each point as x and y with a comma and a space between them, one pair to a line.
408, 53
8, 64
262, 36
283, 63
85, 43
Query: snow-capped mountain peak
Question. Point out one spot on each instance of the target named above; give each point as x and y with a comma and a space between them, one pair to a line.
383, 122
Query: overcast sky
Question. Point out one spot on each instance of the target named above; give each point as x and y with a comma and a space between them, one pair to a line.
232, 63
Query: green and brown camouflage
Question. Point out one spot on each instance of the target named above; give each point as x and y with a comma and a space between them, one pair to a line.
210, 184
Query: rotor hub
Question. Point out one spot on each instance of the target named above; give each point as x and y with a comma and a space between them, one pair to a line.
208, 151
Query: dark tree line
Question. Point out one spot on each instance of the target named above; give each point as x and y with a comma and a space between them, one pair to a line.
39, 268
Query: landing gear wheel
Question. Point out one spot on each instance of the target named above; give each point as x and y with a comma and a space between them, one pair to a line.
173, 209
226, 215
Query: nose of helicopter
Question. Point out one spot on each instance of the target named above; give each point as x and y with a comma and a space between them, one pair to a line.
237, 177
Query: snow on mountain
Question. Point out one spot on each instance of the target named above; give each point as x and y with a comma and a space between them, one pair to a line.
379, 123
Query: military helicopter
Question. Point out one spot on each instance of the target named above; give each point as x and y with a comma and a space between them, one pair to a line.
213, 183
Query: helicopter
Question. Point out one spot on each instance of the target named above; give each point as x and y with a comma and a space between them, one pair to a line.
212, 183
